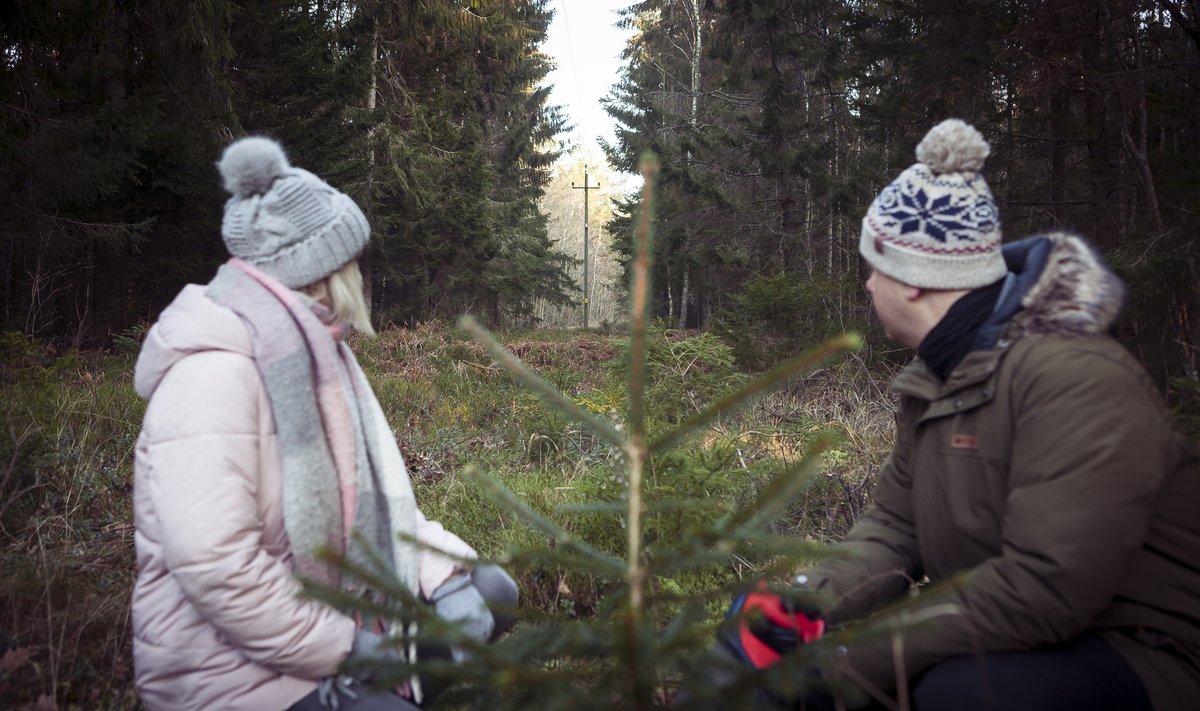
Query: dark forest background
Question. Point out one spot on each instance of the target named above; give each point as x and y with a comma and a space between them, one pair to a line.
776, 122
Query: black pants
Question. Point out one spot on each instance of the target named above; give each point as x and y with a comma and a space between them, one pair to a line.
1085, 673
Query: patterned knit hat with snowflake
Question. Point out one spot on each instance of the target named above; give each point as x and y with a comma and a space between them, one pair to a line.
936, 226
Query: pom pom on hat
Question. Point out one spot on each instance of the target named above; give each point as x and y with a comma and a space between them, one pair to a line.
284, 220
249, 166
953, 146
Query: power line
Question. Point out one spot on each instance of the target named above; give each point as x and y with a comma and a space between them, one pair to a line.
571, 53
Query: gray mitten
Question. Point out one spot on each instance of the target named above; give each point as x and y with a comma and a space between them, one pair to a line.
457, 600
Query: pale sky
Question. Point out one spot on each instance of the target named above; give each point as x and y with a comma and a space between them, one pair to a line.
586, 46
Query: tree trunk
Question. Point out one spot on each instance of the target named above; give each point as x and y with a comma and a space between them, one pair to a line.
369, 201
1137, 150
1059, 117
694, 59
684, 297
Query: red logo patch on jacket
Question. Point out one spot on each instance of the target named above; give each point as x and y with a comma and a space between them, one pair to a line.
964, 441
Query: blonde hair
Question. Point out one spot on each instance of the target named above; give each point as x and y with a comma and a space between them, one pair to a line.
342, 292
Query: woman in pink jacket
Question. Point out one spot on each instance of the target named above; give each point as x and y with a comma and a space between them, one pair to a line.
263, 445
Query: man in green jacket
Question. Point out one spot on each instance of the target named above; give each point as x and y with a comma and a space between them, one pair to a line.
1037, 484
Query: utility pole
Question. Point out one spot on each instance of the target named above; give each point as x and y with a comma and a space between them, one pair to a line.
585, 188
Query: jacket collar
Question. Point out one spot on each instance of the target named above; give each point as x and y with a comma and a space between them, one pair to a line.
917, 380
1057, 285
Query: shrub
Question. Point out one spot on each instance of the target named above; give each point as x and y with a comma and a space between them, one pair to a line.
778, 315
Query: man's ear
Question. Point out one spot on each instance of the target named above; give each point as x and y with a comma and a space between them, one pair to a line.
912, 293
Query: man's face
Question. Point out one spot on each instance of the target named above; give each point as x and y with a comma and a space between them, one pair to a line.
892, 303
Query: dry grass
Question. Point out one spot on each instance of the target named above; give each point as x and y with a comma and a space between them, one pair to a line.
853, 402
848, 402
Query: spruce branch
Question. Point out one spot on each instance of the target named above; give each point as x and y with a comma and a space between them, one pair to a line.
639, 303
374, 571
775, 497
661, 506
636, 453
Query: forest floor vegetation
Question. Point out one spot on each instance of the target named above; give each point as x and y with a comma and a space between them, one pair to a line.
70, 422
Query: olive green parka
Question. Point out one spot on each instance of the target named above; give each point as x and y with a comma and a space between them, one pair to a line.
1041, 489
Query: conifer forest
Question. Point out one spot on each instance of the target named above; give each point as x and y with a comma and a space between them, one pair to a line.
776, 121
773, 124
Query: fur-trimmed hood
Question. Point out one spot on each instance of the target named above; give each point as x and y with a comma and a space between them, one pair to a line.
1062, 285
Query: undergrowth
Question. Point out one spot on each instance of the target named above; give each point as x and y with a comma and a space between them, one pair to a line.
66, 450
70, 421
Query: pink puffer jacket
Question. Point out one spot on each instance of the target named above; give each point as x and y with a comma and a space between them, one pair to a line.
217, 620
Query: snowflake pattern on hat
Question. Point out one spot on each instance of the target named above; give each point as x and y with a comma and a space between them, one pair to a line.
958, 216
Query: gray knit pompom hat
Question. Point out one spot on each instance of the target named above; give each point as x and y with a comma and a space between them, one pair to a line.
937, 225
284, 220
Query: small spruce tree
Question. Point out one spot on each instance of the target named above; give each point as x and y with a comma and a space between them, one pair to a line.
647, 638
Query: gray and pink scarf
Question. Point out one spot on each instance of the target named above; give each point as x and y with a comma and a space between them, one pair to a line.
342, 469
